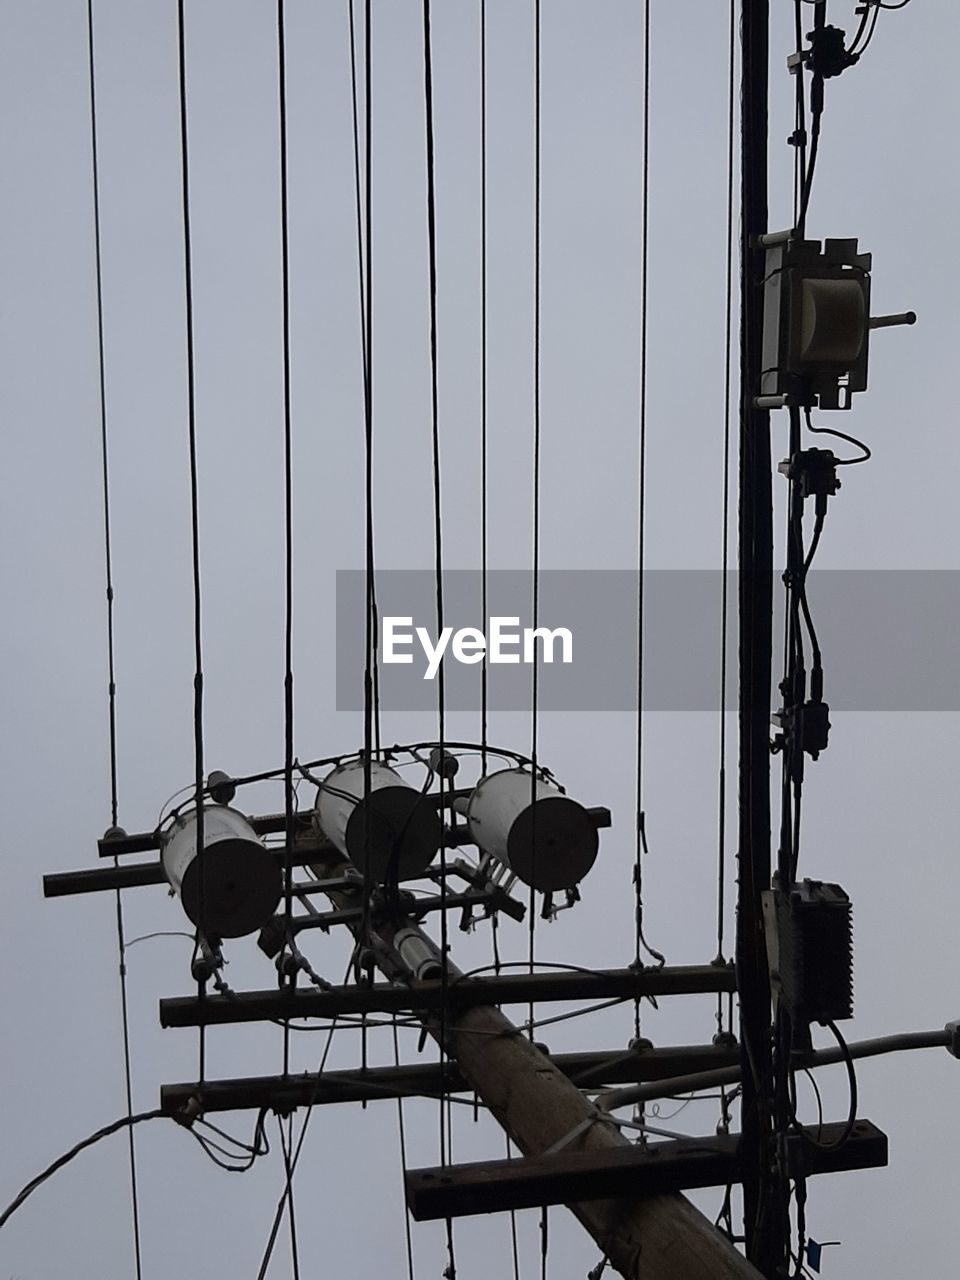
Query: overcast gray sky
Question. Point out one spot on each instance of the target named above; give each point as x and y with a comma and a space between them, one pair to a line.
879, 806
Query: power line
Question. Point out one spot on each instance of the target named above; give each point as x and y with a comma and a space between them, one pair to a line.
374, 673
111, 667
535, 672
403, 1160
286, 1144
724, 594
194, 499
438, 555
484, 708
288, 500
641, 504
281, 1204
28, 1190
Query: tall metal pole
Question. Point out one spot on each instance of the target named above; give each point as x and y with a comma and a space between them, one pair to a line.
764, 1210
657, 1238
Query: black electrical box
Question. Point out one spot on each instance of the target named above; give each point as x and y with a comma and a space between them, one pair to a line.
815, 945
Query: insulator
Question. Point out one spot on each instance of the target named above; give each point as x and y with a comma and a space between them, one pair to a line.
544, 837
392, 834
418, 955
242, 881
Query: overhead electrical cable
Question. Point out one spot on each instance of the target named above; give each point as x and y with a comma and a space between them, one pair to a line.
535, 603
358, 198
484, 671
281, 1204
123, 1123
288, 793
640, 817
402, 1134
286, 1143
367, 347
726, 1027
194, 503
725, 518
111, 666
445, 1154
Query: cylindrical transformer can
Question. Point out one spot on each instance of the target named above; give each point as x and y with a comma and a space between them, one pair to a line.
543, 836
393, 834
242, 881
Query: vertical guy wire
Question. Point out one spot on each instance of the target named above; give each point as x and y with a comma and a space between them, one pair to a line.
288, 798
724, 602
371, 588
194, 500
484, 707
111, 669
438, 549
641, 501
368, 699
535, 675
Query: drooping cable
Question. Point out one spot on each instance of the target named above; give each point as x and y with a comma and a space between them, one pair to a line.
288, 795
111, 667
840, 435
858, 48
438, 558
28, 1190
194, 502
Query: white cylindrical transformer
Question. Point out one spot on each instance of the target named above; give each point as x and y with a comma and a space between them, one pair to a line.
394, 834
543, 836
242, 881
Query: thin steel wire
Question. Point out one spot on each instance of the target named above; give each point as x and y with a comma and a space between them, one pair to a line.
438, 552
288, 793
111, 666
402, 1131
194, 499
725, 534
286, 1144
641, 502
484, 693
361, 278
535, 673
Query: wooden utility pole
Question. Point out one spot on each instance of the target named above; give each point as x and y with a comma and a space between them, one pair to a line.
658, 1238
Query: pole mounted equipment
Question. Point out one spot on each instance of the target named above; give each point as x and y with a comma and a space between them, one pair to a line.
242, 882
529, 825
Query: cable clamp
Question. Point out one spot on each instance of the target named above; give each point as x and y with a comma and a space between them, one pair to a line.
815, 470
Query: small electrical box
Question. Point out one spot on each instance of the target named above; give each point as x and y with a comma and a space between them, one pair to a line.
816, 322
815, 951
